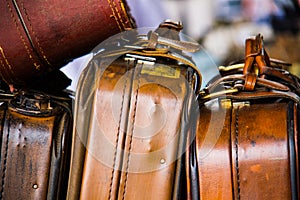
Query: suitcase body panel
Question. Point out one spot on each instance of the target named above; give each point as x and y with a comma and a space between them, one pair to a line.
262, 152
136, 125
19, 141
34, 152
214, 154
251, 157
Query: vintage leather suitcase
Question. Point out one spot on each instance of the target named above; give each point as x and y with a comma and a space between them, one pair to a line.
132, 113
247, 136
40, 36
35, 146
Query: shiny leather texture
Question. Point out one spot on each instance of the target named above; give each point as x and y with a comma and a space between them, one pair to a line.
35, 148
248, 151
247, 135
132, 113
40, 36
136, 133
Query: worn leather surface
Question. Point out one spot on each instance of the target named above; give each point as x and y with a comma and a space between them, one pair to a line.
245, 152
247, 138
39, 36
34, 153
136, 126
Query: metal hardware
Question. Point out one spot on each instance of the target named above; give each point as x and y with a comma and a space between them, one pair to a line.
175, 25
142, 60
162, 161
231, 67
219, 93
35, 186
138, 57
240, 104
31, 103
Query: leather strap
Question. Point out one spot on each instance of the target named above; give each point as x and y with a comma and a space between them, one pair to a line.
250, 80
240, 77
259, 77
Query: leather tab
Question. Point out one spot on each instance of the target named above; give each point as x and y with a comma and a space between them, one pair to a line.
250, 81
250, 49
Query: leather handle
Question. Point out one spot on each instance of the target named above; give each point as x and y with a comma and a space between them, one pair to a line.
262, 75
255, 55
258, 63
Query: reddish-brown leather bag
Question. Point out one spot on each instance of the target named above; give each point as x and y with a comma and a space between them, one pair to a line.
132, 114
40, 36
247, 137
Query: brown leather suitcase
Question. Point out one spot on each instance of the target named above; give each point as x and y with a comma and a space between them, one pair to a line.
247, 135
132, 113
35, 146
40, 36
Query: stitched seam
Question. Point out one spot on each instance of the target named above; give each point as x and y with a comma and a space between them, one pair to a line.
114, 15
237, 154
5, 162
21, 37
37, 41
128, 21
132, 131
119, 15
117, 137
4, 66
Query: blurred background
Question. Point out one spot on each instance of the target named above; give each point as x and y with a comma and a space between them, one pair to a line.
221, 27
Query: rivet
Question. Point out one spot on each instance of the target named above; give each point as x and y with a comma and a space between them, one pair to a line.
35, 186
162, 161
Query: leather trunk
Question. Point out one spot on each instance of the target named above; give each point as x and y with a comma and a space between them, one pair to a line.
39, 36
133, 143
247, 135
35, 143
133, 109
248, 151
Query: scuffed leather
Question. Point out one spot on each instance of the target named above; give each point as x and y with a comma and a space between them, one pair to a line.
35, 151
143, 114
247, 134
